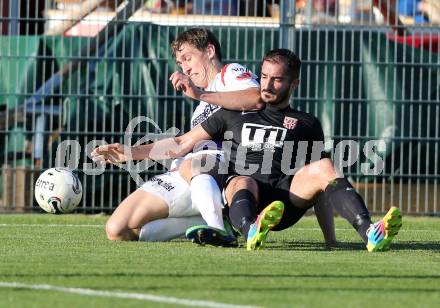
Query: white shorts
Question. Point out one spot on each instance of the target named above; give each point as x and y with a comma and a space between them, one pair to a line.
174, 190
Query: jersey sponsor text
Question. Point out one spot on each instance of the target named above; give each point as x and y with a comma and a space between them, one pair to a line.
260, 137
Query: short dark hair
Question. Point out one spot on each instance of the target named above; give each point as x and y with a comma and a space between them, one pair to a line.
200, 38
288, 57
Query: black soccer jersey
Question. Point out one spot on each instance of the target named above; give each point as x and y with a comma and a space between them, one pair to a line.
259, 139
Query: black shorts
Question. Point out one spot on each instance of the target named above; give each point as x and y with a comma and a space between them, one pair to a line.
268, 194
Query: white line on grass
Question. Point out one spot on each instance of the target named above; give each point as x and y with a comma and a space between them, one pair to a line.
52, 225
104, 293
102, 226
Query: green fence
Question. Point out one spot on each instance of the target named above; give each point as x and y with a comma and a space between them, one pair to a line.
360, 82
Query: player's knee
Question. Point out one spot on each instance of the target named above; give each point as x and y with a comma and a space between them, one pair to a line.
320, 170
242, 182
328, 171
238, 183
114, 231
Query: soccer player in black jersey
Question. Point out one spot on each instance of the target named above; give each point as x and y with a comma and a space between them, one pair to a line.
262, 152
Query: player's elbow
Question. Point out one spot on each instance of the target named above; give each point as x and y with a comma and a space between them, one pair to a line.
254, 104
259, 105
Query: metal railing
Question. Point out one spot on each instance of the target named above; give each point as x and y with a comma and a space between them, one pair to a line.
81, 70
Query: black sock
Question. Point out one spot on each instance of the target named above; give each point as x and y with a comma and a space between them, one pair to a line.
243, 211
347, 202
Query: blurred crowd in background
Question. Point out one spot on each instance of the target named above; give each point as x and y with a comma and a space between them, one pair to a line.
35, 16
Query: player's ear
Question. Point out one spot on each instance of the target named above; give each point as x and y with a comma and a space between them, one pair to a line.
295, 83
210, 50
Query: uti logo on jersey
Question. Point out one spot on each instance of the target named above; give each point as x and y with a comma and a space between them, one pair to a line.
260, 137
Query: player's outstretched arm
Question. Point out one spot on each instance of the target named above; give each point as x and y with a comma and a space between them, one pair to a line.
117, 153
114, 153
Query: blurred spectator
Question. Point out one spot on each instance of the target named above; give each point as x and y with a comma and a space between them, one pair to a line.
431, 8
159, 6
255, 8
28, 21
215, 7
410, 8
232, 7
325, 6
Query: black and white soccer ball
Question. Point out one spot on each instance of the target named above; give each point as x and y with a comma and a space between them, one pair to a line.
58, 190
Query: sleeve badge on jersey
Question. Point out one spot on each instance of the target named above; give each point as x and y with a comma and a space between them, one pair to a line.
290, 123
243, 76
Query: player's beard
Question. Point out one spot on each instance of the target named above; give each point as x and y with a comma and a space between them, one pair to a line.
277, 99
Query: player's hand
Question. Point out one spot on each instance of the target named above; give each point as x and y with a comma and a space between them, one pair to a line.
114, 153
182, 82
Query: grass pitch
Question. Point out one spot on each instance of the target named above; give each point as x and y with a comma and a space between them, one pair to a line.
295, 270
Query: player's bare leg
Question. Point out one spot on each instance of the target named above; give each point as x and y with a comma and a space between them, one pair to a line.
317, 175
136, 210
321, 176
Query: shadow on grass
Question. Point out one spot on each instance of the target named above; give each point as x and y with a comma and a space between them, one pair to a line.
225, 275
434, 246
268, 288
316, 246
304, 290
294, 289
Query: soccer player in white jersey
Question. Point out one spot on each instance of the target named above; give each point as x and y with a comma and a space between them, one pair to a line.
163, 205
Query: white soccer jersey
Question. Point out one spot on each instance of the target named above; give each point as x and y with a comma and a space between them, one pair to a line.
233, 77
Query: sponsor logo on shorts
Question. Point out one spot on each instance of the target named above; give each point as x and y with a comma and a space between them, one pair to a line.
162, 183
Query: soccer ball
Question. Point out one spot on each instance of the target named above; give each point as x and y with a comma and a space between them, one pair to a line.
58, 190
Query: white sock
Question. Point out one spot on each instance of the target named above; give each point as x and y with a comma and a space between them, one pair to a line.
207, 198
166, 229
